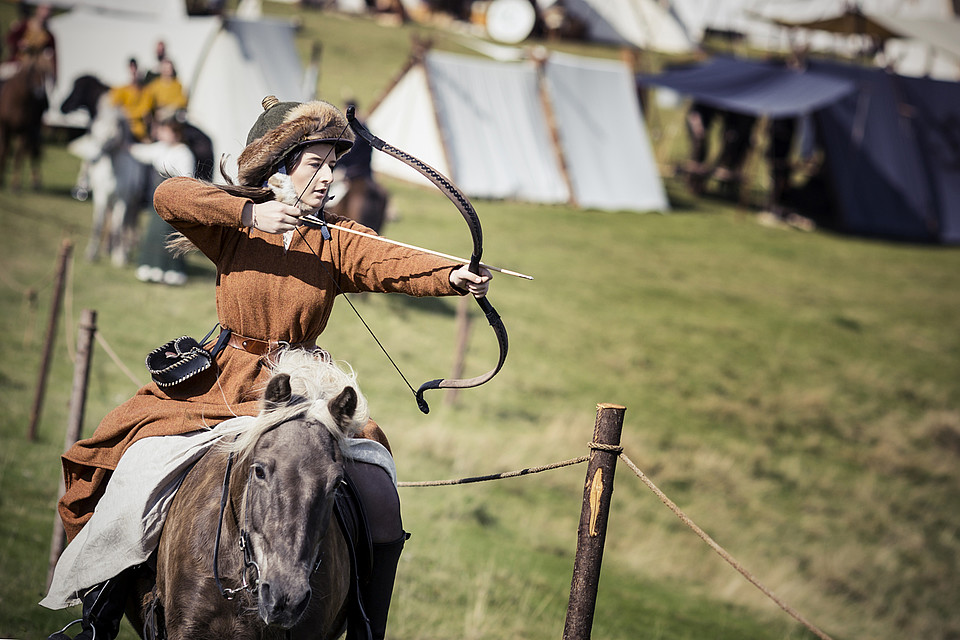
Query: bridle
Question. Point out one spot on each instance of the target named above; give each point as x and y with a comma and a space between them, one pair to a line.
250, 574
250, 567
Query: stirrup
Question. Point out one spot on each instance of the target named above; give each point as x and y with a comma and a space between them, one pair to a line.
60, 635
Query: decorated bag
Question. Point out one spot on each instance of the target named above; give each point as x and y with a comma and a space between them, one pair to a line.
181, 359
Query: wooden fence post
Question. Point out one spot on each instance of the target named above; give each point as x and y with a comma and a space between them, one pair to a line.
66, 248
592, 531
463, 338
78, 405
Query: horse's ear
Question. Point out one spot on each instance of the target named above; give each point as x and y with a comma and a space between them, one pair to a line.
343, 407
278, 391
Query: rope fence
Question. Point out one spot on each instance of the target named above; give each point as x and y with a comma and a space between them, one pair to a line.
618, 450
116, 359
30, 293
594, 446
496, 476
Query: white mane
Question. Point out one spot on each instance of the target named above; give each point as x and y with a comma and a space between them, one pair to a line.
315, 380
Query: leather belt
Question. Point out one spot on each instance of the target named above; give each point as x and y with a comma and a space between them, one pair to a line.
264, 347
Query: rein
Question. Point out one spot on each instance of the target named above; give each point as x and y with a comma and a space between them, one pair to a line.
243, 542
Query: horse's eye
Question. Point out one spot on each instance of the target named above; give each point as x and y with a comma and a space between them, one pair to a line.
259, 472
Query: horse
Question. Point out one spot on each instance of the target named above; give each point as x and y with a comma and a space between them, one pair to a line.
359, 196
115, 178
23, 101
252, 553
363, 200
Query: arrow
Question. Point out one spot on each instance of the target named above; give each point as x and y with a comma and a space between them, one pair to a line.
317, 221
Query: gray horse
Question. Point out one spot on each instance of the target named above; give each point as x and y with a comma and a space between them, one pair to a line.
291, 576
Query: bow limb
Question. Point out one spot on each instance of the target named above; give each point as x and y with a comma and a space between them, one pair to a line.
469, 214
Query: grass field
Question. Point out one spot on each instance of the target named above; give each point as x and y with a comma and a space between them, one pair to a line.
795, 393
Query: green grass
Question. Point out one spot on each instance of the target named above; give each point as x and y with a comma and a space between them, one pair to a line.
795, 393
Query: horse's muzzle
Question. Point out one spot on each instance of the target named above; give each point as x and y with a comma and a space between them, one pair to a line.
282, 607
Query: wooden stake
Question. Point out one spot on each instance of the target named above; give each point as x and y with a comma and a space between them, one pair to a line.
463, 339
78, 404
592, 531
66, 248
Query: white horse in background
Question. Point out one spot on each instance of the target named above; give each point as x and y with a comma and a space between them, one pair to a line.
116, 180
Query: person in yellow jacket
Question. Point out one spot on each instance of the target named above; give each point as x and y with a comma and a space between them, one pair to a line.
132, 98
166, 91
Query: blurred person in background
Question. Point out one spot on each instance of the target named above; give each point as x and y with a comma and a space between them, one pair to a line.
363, 200
168, 156
130, 97
30, 37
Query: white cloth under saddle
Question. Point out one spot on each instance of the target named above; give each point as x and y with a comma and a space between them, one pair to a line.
126, 524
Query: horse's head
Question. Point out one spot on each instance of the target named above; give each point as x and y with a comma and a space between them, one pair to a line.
291, 468
85, 94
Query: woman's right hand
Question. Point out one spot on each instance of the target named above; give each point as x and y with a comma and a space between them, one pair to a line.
271, 216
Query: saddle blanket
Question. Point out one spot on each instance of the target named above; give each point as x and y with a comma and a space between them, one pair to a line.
126, 524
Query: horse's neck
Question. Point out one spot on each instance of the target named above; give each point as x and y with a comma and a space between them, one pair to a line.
36, 69
110, 128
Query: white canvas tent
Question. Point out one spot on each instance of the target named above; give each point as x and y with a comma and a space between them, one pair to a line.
757, 20
226, 65
752, 17
642, 23
911, 46
484, 124
164, 9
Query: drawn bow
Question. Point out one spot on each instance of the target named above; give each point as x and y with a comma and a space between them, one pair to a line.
473, 222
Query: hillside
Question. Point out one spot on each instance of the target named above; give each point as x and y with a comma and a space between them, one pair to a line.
795, 393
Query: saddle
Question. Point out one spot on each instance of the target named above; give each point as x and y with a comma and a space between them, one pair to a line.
354, 525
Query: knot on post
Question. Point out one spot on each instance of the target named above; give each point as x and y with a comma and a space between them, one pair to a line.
599, 446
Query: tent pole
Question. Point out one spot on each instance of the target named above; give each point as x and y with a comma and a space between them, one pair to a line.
418, 50
441, 130
551, 119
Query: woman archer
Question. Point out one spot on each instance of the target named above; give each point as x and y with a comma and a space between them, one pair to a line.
276, 283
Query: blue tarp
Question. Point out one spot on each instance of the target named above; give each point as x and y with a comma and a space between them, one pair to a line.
893, 155
756, 88
891, 143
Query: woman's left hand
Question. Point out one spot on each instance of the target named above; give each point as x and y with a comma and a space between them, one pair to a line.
463, 278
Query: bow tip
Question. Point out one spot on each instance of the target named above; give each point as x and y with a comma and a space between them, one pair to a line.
422, 403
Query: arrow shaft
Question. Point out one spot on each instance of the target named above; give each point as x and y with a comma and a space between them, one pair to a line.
430, 251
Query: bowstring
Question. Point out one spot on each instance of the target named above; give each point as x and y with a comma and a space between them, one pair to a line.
336, 283
357, 312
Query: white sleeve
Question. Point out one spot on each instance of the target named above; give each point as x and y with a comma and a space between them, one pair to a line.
177, 161
147, 152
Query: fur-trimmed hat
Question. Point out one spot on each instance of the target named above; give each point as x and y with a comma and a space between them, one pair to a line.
284, 127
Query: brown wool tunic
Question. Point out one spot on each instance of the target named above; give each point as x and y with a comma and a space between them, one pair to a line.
263, 292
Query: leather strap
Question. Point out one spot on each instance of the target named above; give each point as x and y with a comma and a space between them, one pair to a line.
264, 347
356, 532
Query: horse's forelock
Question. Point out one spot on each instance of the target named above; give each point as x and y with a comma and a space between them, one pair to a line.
315, 381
